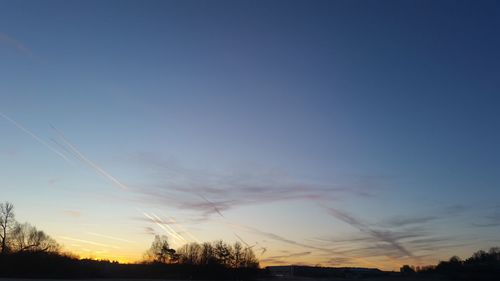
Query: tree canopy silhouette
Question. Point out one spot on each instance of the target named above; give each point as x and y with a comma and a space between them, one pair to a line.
26, 238
160, 251
6, 223
482, 265
22, 237
216, 253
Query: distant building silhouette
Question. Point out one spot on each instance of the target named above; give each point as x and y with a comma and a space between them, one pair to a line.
284, 271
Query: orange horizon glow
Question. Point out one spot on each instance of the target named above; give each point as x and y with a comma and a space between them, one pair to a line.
391, 264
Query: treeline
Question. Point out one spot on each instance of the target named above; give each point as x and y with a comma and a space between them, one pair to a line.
26, 252
482, 265
215, 260
55, 266
205, 254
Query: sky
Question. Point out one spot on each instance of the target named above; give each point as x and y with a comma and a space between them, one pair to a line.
333, 133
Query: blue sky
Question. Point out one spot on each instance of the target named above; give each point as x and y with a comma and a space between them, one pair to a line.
312, 121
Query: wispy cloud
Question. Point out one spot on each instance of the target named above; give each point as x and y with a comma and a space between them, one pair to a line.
455, 209
281, 259
275, 261
16, 44
337, 261
489, 220
292, 255
210, 193
183, 188
279, 238
72, 213
149, 230
52, 181
385, 236
401, 221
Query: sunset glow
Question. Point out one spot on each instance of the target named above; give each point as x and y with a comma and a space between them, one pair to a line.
328, 133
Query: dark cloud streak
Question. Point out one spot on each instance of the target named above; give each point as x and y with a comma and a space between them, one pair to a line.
383, 236
209, 193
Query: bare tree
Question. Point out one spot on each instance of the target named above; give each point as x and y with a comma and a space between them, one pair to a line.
207, 255
218, 253
160, 251
6, 223
190, 253
249, 260
26, 238
222, 252
237, 255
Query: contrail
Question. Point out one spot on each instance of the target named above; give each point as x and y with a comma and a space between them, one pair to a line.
35, 137
213, 205
168, 226
93, 165
184, 230
162, 226
62, 147
88, 242
383, 236
109, 237
243, 241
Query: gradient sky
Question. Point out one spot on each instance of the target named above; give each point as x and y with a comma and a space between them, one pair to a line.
339, 133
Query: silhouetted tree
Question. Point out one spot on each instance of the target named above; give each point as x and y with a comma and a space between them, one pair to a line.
190, 253
160, 251
26, 238
482, 257
237, 255
207, 255
222, 252
481, 265
406, 269
218, 253
6, 223
249, 259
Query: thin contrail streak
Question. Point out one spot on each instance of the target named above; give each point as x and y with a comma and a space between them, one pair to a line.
93, 165
241, 239
161, 226
88, 242
168, 226
62, 147
35, 137
382, 236
109, 237
213, 205
185, 230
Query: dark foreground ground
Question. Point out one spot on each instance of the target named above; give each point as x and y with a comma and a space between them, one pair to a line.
392, 278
